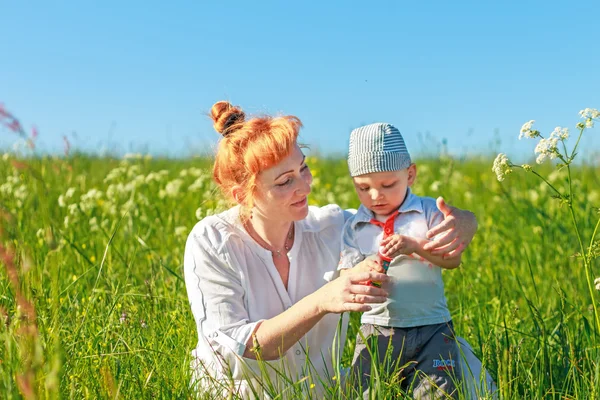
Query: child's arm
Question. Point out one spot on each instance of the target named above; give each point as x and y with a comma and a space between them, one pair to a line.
351, 258
395, 245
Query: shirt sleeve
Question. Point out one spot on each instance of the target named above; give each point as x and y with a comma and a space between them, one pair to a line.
216, 296
350, 254
433, 215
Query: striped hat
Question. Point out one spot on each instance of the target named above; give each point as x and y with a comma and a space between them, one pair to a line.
377, 148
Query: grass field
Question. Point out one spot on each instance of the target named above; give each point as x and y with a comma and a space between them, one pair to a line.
93, 304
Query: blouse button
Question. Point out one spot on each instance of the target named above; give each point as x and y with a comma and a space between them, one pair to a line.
298, 352
387, 231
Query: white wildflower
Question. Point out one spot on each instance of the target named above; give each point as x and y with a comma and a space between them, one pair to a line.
93, 224
41, 233
21, 193
172, 188
143, 200
435, 186
6, 156
195, 172
138, 181
526, 130
502, 166
61, 201
73, 209
199, 213
181, 231
198, 184
589, 114
597, 283
70, 192
115, 173
132, 156
133, 171
546, 148
526, 167
560, 133
90, 199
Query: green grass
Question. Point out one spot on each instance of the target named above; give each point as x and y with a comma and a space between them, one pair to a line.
98, 309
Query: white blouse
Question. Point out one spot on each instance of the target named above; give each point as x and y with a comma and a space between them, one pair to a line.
232, 284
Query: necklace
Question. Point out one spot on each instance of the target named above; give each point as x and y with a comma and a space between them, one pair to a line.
287, 245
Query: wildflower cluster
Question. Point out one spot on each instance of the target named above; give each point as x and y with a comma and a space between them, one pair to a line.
548, 148
527, 131
589, 115
502, 166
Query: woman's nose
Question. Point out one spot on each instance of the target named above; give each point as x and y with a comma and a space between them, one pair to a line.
305, 185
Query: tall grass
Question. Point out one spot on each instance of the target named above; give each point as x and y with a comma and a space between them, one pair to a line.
93, 304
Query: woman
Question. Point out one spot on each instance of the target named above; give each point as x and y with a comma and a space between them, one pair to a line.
256, 274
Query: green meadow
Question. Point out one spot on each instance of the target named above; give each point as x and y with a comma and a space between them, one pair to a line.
93, 302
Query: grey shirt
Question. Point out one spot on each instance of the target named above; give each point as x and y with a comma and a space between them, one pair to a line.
416, 287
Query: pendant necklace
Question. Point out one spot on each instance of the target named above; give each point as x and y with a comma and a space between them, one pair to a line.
287, 245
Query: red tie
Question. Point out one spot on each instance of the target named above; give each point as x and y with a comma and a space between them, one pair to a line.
388, 225
388, 229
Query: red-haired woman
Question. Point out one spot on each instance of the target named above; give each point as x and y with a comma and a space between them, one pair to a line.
256, 273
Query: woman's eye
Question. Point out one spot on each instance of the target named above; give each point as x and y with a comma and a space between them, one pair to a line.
388, 186
304, 168
287, 182
363, 189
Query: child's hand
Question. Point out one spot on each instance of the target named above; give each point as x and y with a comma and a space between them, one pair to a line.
395, 245
368, 265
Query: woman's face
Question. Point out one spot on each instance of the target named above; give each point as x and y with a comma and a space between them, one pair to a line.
282, 190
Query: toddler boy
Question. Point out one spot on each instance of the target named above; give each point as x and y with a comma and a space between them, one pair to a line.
391, 226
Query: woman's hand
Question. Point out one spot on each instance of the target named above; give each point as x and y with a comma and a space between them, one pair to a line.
460, 227
349, 293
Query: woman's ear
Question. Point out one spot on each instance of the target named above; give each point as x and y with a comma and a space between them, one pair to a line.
236, 193
412, 174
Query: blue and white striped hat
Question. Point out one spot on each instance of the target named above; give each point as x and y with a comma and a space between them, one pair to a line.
377, 148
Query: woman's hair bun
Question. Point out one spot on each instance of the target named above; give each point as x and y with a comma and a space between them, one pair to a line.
227, 117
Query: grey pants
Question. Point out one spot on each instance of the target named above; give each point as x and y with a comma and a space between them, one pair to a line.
421, 359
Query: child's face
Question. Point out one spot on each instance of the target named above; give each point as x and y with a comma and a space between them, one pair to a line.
384, 192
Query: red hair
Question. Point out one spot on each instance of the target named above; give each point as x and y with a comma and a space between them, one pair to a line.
249, 147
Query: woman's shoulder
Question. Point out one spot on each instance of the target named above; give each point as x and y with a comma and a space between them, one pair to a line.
215, 229
330, 216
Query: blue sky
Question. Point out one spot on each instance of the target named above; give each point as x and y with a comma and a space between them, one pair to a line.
142, 75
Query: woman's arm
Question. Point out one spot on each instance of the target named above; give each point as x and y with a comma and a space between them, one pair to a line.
276, 335
216, 294
459, 227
